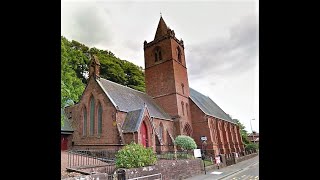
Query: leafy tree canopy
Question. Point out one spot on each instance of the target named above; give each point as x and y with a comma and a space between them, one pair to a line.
243, 132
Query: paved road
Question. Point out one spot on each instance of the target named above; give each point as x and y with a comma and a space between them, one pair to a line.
249, 173
248, 169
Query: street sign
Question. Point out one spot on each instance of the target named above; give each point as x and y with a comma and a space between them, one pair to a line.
203, 138
197, 153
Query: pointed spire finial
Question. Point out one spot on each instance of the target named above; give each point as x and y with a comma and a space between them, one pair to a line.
160, 14
94, 67
162, 28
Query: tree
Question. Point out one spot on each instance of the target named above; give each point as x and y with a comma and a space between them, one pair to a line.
71, 84
75, 57
251, 146
243, 132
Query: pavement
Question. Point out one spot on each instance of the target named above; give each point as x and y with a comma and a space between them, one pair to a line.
235, 171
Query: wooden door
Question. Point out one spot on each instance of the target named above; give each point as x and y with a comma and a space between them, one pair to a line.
144, 134
64, 143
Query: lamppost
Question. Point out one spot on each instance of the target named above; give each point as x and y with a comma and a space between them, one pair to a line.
252, 132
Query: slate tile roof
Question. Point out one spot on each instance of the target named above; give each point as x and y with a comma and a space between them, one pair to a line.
132, 121
208, 106
128, 99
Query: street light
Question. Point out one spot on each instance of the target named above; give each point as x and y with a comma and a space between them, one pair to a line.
252, 132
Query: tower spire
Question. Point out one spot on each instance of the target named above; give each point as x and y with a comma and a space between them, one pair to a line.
162, 28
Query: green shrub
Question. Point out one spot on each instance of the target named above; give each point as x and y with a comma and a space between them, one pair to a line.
251, 146
185, 142
135, 155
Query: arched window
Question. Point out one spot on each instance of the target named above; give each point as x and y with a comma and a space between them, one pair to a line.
92, 116
84, 124
99, 119
157, 54
182, 104
161, 131
179, 54
182, 87
187, 130
187, 108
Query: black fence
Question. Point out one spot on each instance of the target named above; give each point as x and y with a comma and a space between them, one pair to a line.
172, 155
168, 153
87, 158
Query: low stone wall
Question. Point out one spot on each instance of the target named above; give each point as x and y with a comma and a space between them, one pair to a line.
242, 158
96, 169
169, 169
100, 176
180, 169
143, 171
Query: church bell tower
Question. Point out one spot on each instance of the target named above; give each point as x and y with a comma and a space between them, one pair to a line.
166, 76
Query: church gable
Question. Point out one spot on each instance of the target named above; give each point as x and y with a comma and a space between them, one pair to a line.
133, 121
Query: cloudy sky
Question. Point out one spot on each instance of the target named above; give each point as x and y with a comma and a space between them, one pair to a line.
221, 39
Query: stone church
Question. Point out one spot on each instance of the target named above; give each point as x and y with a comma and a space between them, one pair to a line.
110, 115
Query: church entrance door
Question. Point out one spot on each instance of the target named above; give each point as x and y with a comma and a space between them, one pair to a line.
144, 134
64, 143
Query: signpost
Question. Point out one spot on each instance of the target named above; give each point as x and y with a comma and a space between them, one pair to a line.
204, 143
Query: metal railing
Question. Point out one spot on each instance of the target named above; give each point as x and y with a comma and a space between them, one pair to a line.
172, 155
87, 158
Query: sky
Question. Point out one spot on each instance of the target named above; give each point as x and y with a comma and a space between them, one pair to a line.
221, 39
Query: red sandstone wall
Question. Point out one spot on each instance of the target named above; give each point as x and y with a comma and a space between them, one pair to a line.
110, 135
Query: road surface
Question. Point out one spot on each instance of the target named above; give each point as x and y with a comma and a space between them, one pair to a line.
249, 173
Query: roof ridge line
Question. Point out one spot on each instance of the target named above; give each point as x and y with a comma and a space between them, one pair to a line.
124, 86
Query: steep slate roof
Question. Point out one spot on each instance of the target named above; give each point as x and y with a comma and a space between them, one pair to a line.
208, 106
128, 99
132, 121
66, 128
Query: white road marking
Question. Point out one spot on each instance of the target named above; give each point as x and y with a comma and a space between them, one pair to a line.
247, 177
